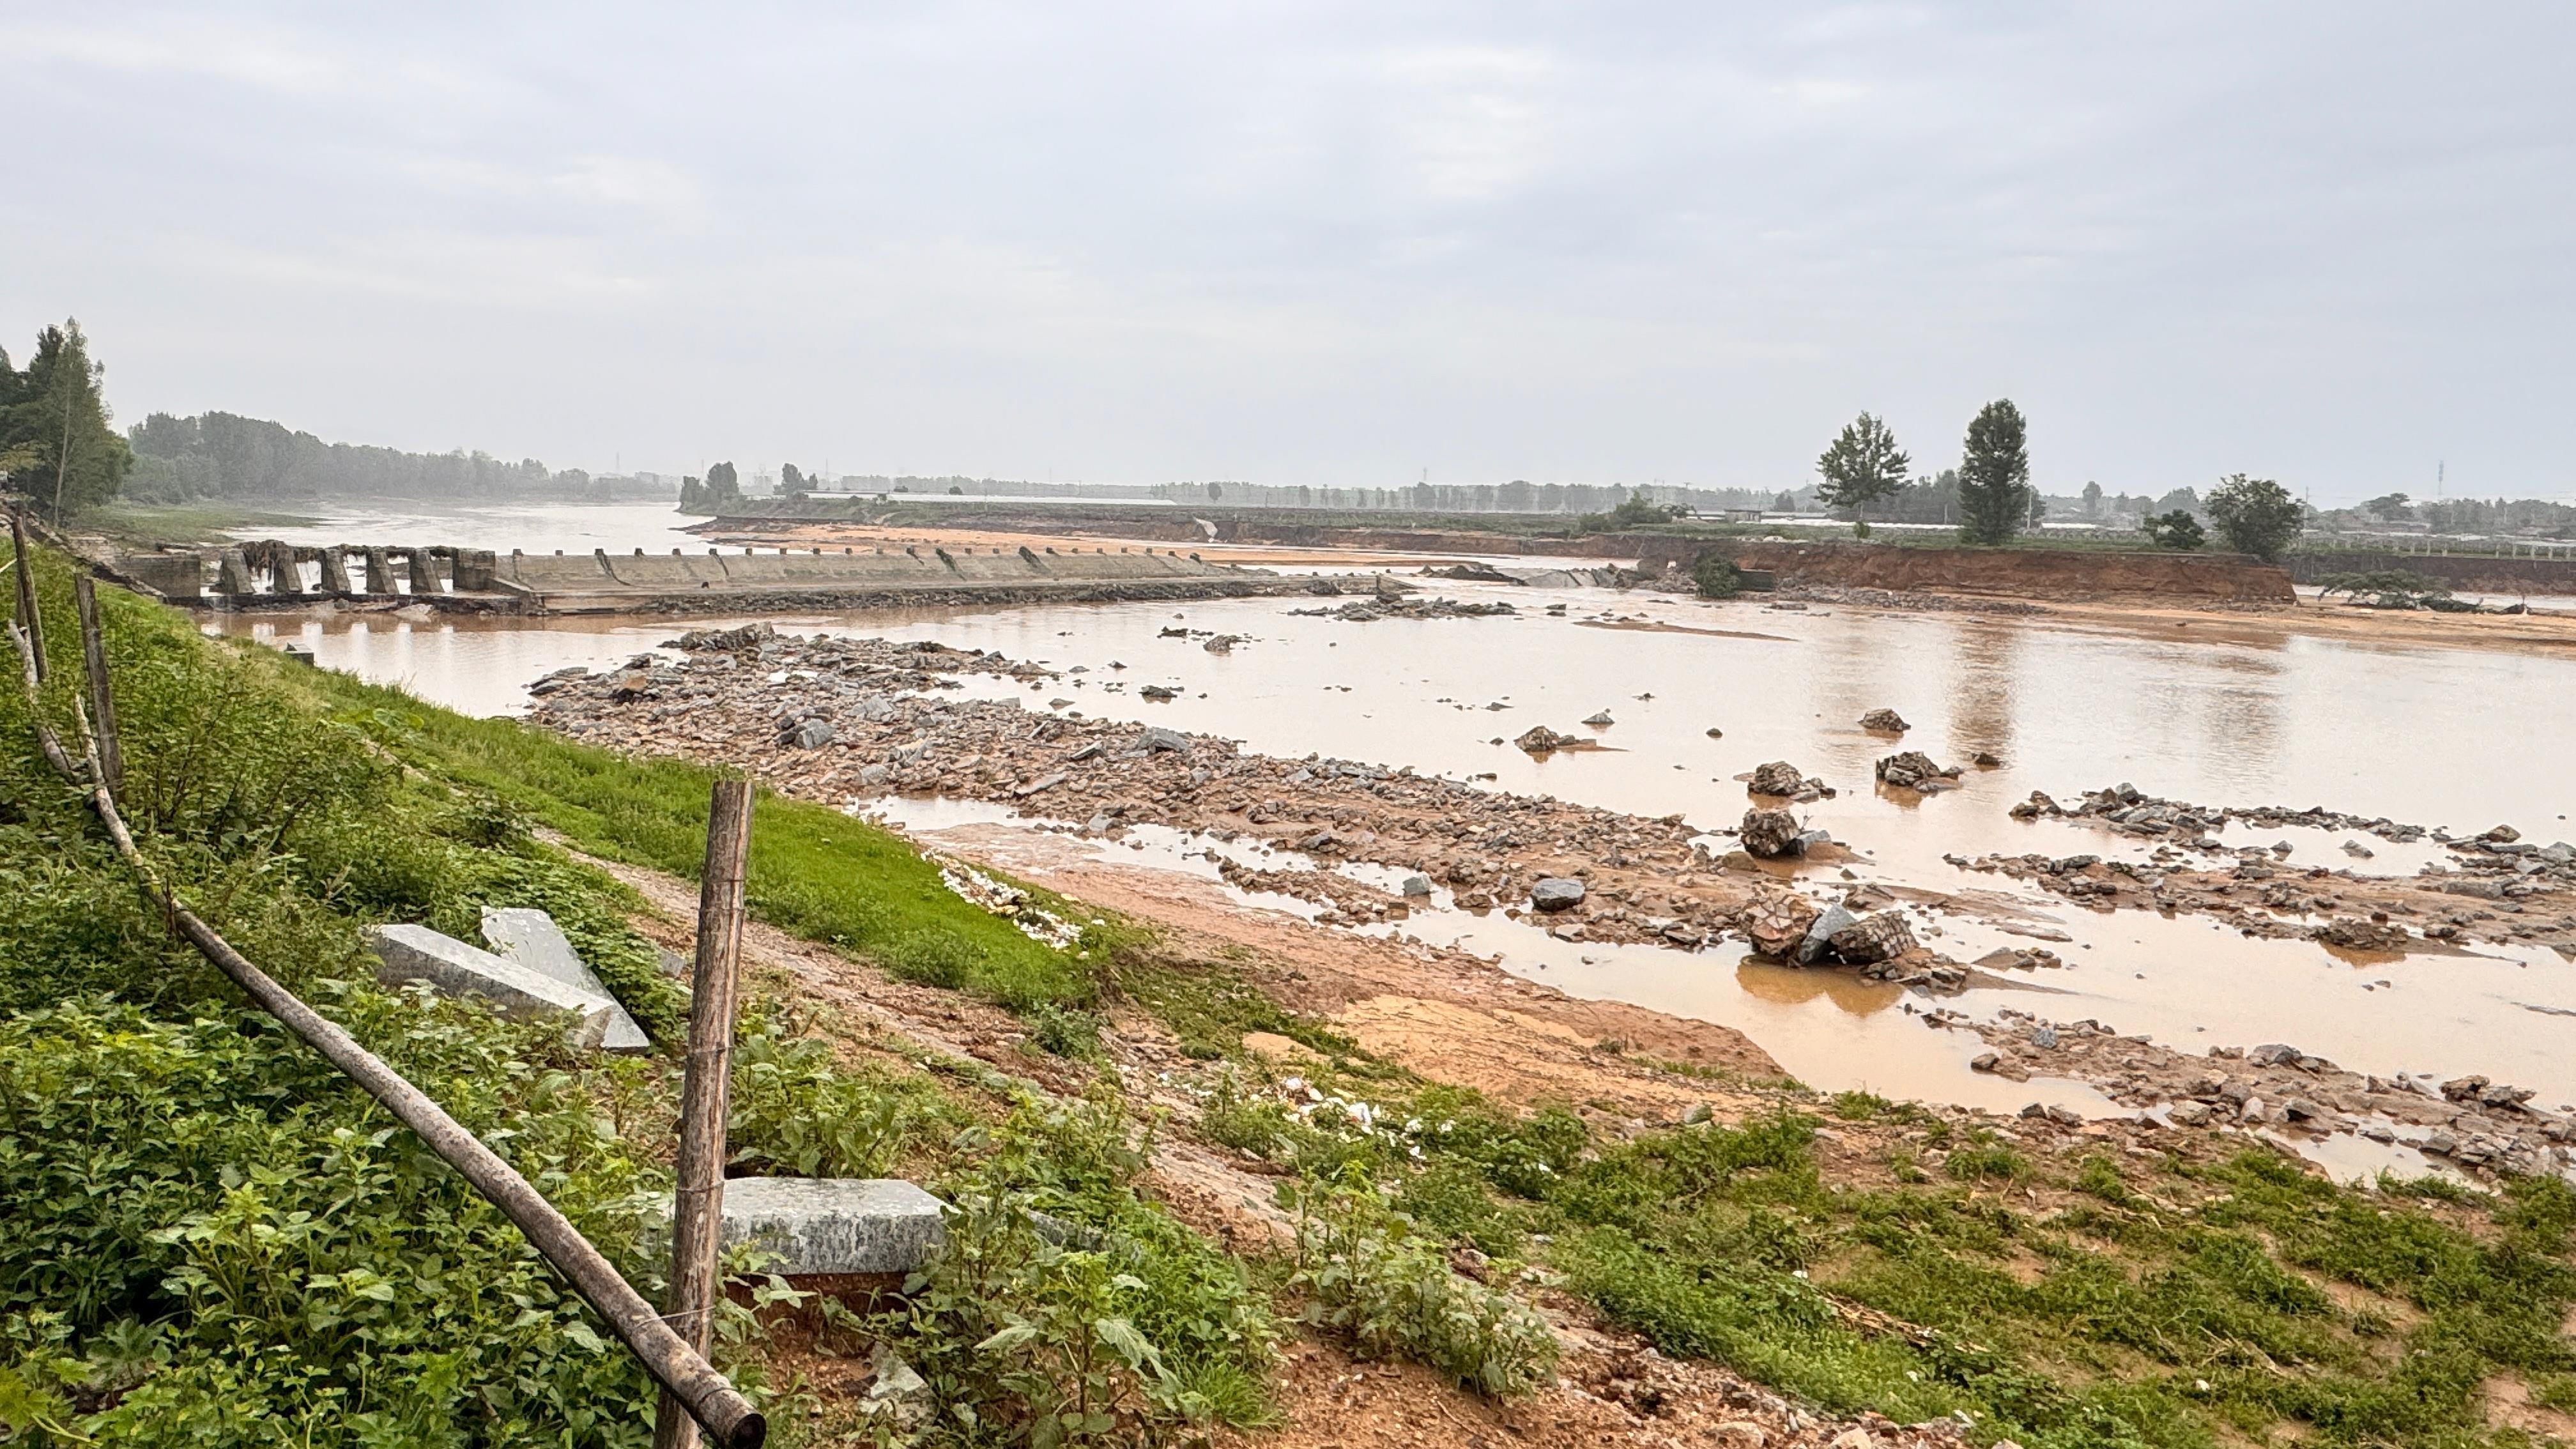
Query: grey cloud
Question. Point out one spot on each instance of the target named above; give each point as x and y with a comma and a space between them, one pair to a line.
1327, 243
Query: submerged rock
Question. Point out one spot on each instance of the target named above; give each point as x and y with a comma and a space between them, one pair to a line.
1886, 721
1915, 770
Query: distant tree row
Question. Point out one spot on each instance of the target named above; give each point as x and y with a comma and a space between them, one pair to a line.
224, 455
56, 444
1991, 489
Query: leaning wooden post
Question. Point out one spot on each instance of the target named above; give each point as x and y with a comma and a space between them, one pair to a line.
102, 698
30, 618
697, 1212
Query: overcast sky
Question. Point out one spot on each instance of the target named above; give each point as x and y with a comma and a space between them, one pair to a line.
1324, 243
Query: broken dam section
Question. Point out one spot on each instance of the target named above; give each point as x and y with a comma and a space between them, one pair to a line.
270, 575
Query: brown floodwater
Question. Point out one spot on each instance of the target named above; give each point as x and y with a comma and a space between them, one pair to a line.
2461, 738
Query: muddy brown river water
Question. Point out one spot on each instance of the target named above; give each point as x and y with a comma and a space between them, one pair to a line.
2210, 711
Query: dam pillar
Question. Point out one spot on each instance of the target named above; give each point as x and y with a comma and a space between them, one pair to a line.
232, 573
335, 571
477, 571
422, 565
380, 569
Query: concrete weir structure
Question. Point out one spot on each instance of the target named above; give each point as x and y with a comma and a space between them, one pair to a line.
272, 575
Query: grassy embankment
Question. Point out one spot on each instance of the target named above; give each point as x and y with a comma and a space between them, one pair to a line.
213, 1239
180, 525
211, 1235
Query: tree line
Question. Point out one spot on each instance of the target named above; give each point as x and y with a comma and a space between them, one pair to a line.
224, 455
1863, 465
56, 443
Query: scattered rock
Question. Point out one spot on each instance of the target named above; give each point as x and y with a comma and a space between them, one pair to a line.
1157, 738
1914, 770
1556, 893
1601, 719
1885, 721
811, 734
1540, 740
1769, 834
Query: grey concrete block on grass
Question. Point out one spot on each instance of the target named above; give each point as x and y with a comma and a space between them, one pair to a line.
531, 938
416, 953
815, 1226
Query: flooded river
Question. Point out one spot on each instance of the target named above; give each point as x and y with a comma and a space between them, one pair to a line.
2209, 711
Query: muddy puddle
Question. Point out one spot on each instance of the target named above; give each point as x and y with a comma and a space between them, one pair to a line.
2440, 737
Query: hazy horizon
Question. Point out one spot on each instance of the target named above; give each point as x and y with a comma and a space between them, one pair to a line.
1335, 246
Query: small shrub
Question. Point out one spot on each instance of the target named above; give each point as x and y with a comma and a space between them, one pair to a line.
1369, 1278
1064, 1031
1983, 1159
1717, 576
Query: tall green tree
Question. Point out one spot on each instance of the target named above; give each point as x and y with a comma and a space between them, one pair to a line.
54, 432
2256, 515
1994, 474
1863, 465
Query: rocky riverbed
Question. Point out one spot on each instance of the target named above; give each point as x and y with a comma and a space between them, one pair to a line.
838, 719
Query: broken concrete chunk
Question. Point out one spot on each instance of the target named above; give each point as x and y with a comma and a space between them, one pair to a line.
416, 953
532, 939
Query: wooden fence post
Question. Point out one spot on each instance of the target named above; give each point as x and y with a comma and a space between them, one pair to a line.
697, 1209
102, 697
30, 618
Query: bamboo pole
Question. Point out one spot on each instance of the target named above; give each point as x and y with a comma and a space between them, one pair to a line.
102, 695
29, 618
682, 1371
697, 1210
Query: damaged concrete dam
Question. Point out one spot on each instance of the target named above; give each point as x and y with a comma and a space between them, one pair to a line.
273, 574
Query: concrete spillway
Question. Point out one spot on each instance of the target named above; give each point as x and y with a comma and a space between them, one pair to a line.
272, 575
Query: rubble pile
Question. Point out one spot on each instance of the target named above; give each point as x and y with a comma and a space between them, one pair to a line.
1369, 612
1781, 779
1915, 770
2470, 1121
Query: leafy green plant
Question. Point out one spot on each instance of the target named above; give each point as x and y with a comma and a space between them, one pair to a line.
1368, 1277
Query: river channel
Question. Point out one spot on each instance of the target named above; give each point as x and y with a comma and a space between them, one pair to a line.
2206, 710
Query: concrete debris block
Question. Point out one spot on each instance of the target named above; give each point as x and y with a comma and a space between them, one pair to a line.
1417, 885
1777, 921
895, 1392
1881, 936
1776, 777
532, 939
1556, 893
407, 953
1157, 738
1768, 834
1915, 770
1818, 941
1886, 721
817, 1226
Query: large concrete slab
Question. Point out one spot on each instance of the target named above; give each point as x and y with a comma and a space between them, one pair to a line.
817, 1226
407, 953
531, 938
